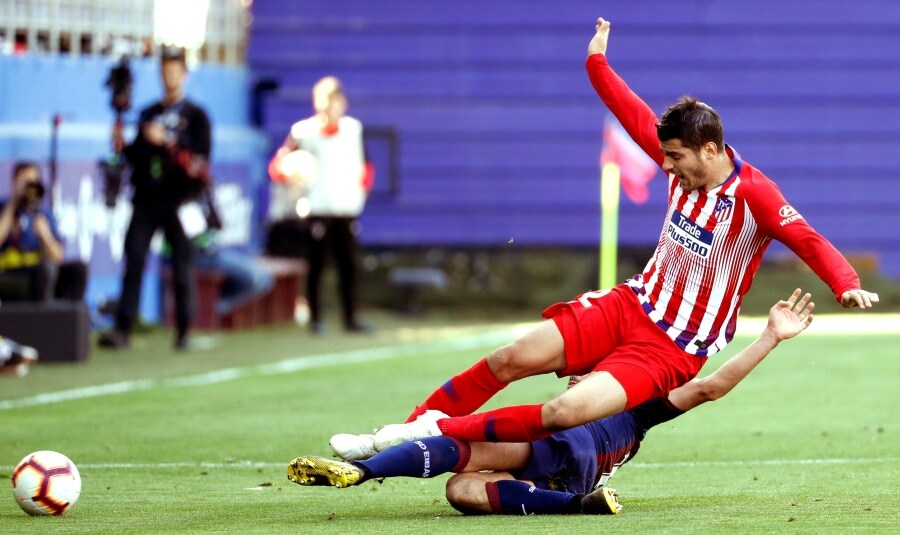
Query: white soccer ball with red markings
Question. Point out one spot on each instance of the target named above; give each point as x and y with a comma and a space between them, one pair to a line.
300, 168
46, 483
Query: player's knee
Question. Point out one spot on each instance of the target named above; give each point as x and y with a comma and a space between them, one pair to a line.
466, 494
561, 413
507, 363
454, 489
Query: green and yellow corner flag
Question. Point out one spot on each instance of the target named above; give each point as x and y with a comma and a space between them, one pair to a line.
623, 165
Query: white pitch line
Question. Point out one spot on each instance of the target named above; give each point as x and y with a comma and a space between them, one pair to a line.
674, 464
275, 368
824, 325
765, 462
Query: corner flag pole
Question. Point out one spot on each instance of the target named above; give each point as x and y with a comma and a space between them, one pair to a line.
609, 224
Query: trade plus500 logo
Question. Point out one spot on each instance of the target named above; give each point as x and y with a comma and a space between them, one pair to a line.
788, 214
689, 235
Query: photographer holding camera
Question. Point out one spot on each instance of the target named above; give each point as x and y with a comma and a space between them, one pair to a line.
30, 247
169, 166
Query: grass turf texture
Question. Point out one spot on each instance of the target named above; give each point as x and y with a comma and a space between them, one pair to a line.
212, 458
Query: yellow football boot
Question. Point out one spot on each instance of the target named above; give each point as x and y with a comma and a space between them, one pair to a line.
311, 470
603, 501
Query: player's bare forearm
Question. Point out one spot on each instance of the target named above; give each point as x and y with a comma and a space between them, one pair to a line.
53, 249
7, 216
786, 320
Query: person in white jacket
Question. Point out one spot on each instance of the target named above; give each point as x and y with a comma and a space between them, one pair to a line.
322, 159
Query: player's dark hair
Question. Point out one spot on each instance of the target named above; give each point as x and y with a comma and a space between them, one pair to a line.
692, 122
173, 53
22, 165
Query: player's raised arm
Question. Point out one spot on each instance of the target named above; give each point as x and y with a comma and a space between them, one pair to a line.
779, 220
786, 320
636, 117
600, 39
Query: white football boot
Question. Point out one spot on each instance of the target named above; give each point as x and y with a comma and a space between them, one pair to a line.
422, 427
353, 447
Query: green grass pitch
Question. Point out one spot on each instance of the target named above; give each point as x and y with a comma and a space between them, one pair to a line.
809, 443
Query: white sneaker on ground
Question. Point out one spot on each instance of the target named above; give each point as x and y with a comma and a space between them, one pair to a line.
353, 447
422, 427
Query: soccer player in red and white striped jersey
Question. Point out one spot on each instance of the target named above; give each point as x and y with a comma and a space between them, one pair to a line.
721, 217
652, 334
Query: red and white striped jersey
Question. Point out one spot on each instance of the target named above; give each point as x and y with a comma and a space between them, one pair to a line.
712, 242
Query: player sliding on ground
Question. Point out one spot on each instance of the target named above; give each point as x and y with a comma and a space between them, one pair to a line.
554, 475
652, 334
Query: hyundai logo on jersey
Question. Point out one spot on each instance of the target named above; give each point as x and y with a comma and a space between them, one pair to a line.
786, 211
789, 214
689, 235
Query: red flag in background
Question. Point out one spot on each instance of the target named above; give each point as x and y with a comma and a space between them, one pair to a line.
635, 167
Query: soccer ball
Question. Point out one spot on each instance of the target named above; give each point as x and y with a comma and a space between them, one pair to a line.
300, 168
46, 483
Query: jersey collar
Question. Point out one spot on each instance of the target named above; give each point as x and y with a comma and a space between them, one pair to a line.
738, 164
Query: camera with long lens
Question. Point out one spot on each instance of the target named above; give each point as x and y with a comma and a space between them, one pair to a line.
31, 196
119, 82
113, 168
34, 192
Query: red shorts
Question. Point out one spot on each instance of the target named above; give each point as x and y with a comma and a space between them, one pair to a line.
609, 331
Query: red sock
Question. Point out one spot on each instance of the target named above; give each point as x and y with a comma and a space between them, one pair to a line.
521, 423
463, 393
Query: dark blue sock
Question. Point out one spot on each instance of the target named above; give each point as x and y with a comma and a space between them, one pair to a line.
427, 457
519, 498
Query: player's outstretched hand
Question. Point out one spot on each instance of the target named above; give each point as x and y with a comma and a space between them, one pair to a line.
858, 298
789, 318
601, 37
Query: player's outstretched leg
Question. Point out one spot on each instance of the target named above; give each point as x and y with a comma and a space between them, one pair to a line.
512, 497
429, 457
318, 471
519, 423
395, 434
539, 351
598, 396
463, 393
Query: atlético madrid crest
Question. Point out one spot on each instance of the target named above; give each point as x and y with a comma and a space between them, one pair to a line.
723, 209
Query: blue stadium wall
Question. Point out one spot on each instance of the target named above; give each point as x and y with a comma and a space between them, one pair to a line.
33, 89
498, 129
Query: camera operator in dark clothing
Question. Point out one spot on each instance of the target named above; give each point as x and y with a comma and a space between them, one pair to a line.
30, 245
169, 162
